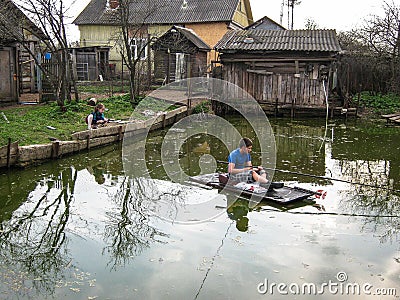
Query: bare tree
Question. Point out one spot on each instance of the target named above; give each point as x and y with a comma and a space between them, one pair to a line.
311, 24
382, 35
132, 17
45, 23
372, 61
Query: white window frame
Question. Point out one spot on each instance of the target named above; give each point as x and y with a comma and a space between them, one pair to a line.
134, 48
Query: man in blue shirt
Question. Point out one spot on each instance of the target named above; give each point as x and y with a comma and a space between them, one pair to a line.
240, 167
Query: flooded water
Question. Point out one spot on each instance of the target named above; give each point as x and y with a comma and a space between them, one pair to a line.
78, 228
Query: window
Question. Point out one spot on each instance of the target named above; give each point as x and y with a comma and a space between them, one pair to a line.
139, 48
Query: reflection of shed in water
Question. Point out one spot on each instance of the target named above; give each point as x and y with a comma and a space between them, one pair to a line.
179, 53
297, 149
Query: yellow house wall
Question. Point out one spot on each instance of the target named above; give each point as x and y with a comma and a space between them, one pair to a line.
244, 14
97, 35
210, 33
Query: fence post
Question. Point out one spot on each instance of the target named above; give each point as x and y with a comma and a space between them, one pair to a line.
120, 132
8, 152
88, 141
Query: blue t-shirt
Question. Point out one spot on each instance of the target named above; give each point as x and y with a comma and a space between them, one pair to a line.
97, 116
239, 159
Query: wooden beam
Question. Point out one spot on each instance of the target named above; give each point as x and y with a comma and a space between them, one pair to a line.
270, 59
261, 72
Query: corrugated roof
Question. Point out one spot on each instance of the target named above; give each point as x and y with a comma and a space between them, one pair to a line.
279, 40
160, 12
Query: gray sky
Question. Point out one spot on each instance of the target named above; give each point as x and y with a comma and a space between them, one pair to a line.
341, 15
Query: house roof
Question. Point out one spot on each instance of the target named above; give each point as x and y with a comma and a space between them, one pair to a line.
175, 43
265, 23
322, 40
97, 12
13, 21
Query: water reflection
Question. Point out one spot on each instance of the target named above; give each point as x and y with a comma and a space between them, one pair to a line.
238, 209
127, 229
45, 210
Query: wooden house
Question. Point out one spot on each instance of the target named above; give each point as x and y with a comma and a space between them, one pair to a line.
100, 22
18, 70
283, 69
178, 54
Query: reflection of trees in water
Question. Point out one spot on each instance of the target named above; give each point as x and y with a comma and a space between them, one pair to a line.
34, 240
366, 172
382, 205
129, 230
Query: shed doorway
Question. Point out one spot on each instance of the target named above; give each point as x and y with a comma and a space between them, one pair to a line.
7, 85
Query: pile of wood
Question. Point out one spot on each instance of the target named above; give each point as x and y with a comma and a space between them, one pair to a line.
392, 117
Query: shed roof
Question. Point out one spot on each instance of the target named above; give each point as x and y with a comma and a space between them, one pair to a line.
321, 40
193, 37
97, 12
175, 43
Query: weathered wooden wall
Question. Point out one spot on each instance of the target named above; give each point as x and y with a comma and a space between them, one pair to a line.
165, 65
8, 84
274, 88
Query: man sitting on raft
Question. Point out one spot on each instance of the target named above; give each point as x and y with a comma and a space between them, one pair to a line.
240, 167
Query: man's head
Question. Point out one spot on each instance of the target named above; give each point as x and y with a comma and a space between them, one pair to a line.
246, 143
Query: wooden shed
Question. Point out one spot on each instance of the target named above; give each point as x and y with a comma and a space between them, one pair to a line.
91, 62
178, 54
18, 70
283, 69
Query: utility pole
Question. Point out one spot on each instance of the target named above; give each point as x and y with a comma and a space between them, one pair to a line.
292, 4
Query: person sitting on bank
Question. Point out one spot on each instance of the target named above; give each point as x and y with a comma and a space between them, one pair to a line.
240, 167
97, 118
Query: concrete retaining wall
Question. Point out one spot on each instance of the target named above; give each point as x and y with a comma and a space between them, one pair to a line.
14, 155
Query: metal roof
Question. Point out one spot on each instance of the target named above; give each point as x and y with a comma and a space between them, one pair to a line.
160, 12
324, 40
